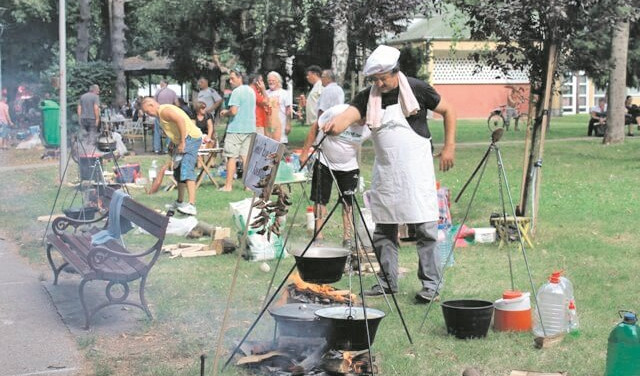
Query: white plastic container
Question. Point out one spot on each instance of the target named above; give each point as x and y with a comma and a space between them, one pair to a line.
512, 312
311, 220
485, 234
552, 306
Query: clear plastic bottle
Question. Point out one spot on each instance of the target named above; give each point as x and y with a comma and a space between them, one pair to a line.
153, 170
552, 307
574, 324
444, 245
568, 289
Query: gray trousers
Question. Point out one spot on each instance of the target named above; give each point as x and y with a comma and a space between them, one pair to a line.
385, 243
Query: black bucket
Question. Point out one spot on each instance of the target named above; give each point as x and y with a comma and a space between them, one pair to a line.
467, 318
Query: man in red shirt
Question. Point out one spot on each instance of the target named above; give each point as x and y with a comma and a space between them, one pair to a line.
262, 102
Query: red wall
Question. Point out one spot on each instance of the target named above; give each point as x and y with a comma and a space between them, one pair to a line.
477, 100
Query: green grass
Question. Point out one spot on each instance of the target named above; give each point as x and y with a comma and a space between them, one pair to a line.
587, 219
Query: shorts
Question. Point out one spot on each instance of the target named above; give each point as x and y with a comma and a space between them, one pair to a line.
237, 144
322, 183
187, 168
4, 130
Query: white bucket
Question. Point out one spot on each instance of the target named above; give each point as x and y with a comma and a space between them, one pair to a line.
485, 234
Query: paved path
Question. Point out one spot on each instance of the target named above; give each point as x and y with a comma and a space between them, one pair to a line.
33, 338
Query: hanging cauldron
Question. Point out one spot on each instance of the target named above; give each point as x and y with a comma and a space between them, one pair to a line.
347, 328
298, 320
321, 264
106, 143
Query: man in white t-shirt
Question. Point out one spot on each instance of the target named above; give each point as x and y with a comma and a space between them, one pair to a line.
337, 158
274, 80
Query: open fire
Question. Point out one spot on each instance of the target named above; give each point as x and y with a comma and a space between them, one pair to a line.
299, 291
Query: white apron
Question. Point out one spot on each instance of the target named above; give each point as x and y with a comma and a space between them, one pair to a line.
403, 189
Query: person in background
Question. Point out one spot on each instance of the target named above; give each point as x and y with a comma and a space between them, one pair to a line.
337, 158
209, 96
164, 95
184, 106
262, 102
242, 124
89, 116
403, 187
204, 122
280, 102
514, 99
310, 102
632, 115
5, 122
598, 118
185, 141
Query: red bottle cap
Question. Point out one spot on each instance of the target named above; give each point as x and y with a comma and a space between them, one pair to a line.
554, 278
511, 294
572, 305
309, 209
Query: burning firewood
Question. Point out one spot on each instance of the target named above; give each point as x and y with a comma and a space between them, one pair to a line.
305, 292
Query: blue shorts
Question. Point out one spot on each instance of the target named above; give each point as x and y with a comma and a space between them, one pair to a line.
187, 168
4, 130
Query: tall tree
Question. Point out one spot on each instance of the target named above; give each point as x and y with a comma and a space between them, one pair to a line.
118, 48
533, 36
84, 17
617, 82
340, 54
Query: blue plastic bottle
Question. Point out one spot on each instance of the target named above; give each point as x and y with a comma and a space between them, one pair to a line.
623, 351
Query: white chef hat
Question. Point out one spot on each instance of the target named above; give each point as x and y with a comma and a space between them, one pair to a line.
382, 59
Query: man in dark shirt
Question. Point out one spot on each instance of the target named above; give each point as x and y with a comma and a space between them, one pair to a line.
403, 185
89, 116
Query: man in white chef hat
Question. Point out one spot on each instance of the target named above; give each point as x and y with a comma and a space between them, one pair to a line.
403, 189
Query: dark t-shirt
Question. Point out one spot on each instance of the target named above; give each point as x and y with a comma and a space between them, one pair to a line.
202, 124
425, 94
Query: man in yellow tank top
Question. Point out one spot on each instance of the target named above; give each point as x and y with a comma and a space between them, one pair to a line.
185, 139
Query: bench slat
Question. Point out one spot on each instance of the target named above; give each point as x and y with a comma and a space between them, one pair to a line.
69, 255
146, 218
110, 269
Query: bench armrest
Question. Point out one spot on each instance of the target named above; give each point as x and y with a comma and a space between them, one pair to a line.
99, 254
61, 223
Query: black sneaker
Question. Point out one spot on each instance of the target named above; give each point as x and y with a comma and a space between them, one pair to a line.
377, 290
426, 295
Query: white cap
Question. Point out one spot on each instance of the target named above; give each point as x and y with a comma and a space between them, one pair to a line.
382, 59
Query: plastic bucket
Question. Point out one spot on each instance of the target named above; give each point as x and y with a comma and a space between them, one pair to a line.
513, 312
467, 318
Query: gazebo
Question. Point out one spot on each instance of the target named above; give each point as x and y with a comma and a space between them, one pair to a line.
146, 65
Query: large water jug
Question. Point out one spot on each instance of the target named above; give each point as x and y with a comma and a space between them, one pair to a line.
623, 350
565, 283
571, 300
552, 308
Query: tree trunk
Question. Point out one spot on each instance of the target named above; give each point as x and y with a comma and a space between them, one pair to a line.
535, 148
617, 83
82, 48
340, 54
118, 49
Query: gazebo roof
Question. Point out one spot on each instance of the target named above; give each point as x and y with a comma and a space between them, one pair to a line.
447, 25
149, 63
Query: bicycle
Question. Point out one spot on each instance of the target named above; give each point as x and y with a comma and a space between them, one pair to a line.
498, 118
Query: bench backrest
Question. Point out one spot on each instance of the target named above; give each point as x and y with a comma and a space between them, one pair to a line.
148, 219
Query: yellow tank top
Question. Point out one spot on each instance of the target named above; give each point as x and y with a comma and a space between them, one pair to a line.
172, 130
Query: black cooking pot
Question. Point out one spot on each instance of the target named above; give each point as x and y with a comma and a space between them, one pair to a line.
298, 320
346, 327
321, 264
106, 143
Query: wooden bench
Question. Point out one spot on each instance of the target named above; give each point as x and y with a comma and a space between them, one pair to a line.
109, 262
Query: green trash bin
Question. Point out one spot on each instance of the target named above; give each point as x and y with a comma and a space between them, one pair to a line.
50, 123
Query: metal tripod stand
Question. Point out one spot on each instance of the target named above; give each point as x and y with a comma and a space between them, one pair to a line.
358, 240
502, 180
